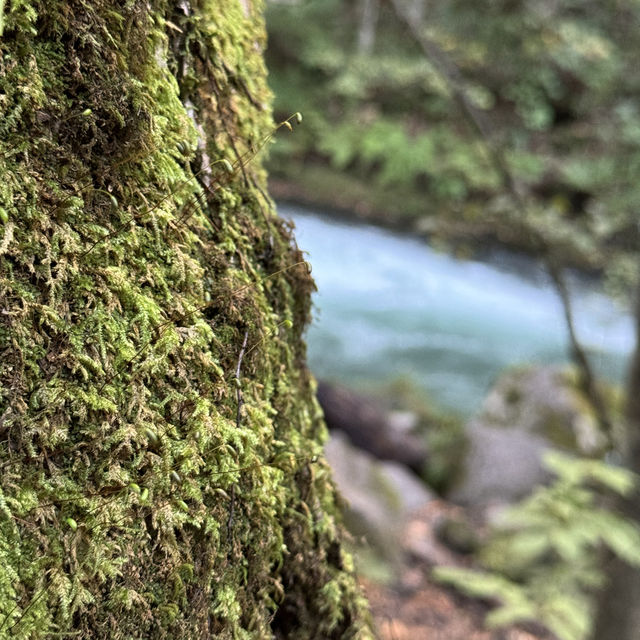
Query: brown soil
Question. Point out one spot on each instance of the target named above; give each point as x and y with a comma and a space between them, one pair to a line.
415, 607
431, 612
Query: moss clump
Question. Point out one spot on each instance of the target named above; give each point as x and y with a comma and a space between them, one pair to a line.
158, 428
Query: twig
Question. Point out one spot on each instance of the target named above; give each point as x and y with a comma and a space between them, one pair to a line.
579, 356
452, 76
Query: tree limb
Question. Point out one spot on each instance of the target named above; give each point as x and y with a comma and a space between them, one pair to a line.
478, 123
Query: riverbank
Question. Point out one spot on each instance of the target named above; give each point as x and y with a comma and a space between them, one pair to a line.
465, 231
412, 324
403, 530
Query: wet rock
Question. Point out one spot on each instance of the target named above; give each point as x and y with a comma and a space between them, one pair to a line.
403, 421
526, 413
545, 401
379, 495
502, 465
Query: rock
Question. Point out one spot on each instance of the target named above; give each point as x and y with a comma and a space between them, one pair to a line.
421, 538
371, 428
526, 413
502, 465
379, 495
545, 401
402, 421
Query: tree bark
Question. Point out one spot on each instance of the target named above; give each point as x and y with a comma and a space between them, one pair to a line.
369, 11
161, 470
618, 611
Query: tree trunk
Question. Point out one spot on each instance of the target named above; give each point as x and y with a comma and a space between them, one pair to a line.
369, 11
160, 446
618, 614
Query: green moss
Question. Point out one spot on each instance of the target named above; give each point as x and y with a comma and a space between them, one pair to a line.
137, 499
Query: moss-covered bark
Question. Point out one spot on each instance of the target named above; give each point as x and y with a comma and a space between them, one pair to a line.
158, 428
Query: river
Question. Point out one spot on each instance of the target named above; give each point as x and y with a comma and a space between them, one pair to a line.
390, 307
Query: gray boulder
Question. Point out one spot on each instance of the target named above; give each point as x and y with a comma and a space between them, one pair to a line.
379, 495
527, 412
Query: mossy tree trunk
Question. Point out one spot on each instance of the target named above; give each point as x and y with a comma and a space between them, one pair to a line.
158, 428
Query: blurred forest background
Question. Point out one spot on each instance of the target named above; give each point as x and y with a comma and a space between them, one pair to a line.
417, 112
507, 123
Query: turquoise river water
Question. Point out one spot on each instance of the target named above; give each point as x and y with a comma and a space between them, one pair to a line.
390, 307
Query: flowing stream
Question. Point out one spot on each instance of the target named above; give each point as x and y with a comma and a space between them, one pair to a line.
390, 307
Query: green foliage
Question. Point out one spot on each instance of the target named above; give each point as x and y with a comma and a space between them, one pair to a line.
552, 81
541, 561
